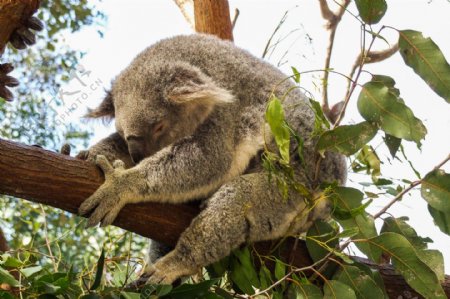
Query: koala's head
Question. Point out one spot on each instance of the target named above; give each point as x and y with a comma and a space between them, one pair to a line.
155, 105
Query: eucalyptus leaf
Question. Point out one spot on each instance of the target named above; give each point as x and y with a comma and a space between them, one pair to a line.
393, 144
371, 11
399, 226
427, 60
7, 278
441, 219
99, 273
349, 199
363, 284
304, 291
347, 139
320, 240
436, 190
276, 121
334, 289
377, 103
407, 262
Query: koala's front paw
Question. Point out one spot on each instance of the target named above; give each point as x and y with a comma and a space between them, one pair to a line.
110, 197
84, 155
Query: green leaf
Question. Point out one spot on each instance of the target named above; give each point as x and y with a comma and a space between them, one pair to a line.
334, 289
407, 262
320, 118
193, 291
427, 60
368, 157
436, 190
276, 121
441, 219
304, 291
243, 273
393, 144
27, 272
6, 277
320, 240
99, 273
371, 11
265, 277
375, 275
280, 269
129, 295
435, 260
296, 74
399, 226
348, 199
346, 139
378, 103
363, 284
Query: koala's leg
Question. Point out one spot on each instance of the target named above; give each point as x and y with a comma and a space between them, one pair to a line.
112, 147
248, 209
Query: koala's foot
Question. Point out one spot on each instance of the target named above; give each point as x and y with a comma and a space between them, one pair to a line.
167, 270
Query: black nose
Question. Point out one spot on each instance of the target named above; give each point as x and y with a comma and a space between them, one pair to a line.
136, 148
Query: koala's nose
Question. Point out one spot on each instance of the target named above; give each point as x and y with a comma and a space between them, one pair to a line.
136, 148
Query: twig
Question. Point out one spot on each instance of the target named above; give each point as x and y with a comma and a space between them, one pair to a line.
406, 190
370, 57
236, 15
266, 48
47, 242
265, 291
187, 9
333, 21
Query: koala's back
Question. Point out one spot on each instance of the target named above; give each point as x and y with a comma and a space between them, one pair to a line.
230, 67
251, 81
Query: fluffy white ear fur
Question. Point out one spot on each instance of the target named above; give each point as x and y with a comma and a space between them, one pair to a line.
207, 93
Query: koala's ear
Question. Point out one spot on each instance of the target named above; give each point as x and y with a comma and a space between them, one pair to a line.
105, 109
191, 85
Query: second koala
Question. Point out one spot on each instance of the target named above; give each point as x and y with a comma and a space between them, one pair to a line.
189, 113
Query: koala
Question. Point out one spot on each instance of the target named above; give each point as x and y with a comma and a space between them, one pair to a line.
189, 115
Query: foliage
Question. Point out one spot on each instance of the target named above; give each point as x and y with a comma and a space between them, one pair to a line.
245, 273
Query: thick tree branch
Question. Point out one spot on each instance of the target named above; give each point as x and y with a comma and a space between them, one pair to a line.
13, 14
63, 182
213, 17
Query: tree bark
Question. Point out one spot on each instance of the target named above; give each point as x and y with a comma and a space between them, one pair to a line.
12, 15
213, 17
64, 182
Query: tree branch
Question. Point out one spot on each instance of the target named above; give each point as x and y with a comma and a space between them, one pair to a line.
13, 14
333, 20
213, 17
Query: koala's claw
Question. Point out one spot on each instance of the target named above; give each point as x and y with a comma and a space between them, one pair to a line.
106, 202
83, 155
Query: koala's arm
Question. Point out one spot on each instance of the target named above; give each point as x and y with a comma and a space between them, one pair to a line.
112, 147
192, 168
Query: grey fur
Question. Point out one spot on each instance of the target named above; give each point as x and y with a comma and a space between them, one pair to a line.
192, 108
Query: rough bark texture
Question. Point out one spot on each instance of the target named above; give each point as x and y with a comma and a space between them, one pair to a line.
12, 14
213, 17
63, 182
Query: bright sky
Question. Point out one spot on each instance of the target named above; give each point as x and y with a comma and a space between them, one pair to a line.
134, 25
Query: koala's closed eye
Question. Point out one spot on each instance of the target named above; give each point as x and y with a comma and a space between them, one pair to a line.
159, 127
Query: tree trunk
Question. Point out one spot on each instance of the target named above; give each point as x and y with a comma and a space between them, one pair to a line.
12, 14
213, 17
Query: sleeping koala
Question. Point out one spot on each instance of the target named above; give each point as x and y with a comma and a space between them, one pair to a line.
189, 113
